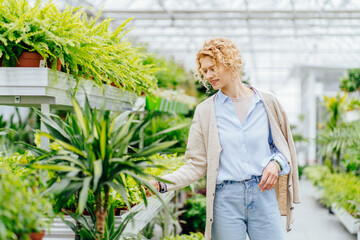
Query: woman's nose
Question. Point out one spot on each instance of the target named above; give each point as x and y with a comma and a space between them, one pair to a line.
209, 74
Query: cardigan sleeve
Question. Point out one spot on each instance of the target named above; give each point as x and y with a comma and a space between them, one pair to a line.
195, 155
286, 131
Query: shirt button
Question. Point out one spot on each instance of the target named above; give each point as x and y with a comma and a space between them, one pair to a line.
210, 219
213, 194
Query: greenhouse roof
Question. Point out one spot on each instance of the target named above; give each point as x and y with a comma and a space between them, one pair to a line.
272, 35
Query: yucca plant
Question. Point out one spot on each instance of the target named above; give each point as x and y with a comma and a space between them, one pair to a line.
97, 154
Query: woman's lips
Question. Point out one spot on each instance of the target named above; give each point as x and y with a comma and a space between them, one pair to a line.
212, 82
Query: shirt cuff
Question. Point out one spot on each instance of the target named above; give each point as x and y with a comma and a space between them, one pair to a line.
281, 160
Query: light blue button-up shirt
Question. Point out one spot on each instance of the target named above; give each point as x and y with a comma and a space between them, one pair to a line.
246, 147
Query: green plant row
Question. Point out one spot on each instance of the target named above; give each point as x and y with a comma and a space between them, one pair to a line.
340, 188
84, 47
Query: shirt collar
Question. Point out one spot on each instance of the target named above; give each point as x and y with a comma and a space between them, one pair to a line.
223, 98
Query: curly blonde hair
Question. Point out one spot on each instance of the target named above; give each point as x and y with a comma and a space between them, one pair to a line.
221, 50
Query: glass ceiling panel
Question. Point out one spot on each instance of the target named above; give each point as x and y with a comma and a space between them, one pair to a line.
272, 35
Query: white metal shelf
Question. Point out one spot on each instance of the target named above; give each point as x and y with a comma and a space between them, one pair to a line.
31, 87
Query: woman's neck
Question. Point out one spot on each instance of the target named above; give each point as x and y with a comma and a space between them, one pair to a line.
236, 89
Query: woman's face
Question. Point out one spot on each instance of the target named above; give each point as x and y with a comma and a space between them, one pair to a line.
219, 79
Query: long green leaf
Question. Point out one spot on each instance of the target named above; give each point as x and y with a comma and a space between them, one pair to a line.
151, 187
70, 148
98, 171
83, 195
80, 117
120, 188
50, 124
58, 168
120, 229
177, 127
148, 151
69, 159
103, 139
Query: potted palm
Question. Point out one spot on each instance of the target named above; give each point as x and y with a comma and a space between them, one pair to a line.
97, 155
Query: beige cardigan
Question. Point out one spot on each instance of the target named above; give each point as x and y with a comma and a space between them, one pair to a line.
203, 152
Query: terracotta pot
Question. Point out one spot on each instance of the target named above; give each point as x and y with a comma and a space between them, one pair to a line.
29, 59
32, 59
37, 236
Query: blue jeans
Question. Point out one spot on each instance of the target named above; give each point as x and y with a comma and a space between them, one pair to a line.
240, 208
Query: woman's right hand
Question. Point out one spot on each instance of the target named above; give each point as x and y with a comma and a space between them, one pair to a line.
155, 184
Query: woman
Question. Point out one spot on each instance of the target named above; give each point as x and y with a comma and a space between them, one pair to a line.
240, 138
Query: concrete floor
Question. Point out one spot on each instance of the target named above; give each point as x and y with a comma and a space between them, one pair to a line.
314, 222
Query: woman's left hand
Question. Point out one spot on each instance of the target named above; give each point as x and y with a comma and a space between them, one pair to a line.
269, 177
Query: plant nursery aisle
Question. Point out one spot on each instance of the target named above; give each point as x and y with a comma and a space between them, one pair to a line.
314, 222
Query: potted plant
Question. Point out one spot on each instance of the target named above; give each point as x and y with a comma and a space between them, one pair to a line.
351, 82
24, 213
97, 155
83, 46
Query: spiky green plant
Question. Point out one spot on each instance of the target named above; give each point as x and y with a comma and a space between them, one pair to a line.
97, 154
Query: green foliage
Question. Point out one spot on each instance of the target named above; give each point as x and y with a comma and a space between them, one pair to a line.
342, 141
351, 82
332, 148
148, 230
170, 163
192, 236
22, 208
335, 108
170, 74
195, 214
96, 155
339, 189
17, 130
301, 170
342, 189
84, 47
161, 121
316, 174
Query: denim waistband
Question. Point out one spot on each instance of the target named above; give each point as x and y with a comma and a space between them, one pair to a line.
256, 178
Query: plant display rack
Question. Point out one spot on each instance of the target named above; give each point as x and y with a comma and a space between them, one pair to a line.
32, 87
350, 223
43, 88
60, 231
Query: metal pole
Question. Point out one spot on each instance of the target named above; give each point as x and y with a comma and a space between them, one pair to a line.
45, 142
